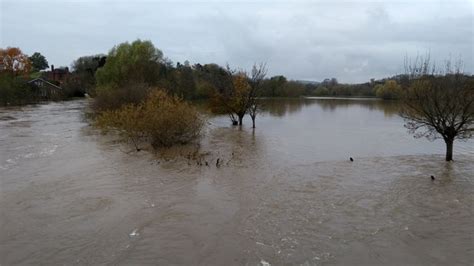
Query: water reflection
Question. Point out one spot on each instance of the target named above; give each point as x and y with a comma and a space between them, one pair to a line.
282, 107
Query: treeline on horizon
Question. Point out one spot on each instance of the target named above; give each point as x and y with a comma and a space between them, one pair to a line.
197, 81
189, 81
142, 94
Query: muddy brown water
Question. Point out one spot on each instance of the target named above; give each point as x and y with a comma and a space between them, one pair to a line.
283, 194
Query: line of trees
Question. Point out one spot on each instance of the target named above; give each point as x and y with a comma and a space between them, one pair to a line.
140, 94
16, 69
201, 81
82, 79
127, 73
185, 80
133, 77
436, 103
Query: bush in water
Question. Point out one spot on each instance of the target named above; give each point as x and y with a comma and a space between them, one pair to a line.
162, 119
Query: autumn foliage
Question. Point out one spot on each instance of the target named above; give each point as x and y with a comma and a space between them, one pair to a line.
234, 100
162, 120
13, 61
390, 90
240, 96
14, 69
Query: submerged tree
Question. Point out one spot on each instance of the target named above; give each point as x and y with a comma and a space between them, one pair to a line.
439, 103
239, 96
230, 89
233, 99
255, 81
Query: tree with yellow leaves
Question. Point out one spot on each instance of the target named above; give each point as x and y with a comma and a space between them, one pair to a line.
390, 90
234, 99
240, 96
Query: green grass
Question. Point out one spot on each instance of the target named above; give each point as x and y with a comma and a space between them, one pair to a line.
35, 75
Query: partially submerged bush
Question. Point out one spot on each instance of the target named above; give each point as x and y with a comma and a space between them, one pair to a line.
170, 120
162, 119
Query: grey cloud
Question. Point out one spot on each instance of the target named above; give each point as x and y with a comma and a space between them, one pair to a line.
350, 40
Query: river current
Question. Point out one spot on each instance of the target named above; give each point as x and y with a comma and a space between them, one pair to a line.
284, 193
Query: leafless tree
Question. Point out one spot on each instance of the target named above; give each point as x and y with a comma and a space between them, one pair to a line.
438, 103
255, 81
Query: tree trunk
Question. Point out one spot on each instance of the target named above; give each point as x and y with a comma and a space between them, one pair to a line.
449, 149
232, 119
240, 119
253, 121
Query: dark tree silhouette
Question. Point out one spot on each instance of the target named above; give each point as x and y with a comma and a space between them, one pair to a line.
439, 103
255, 81
38, 62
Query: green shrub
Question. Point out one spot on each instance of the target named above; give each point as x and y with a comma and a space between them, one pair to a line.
14, 90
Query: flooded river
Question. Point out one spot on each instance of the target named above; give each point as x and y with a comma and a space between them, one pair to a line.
283, 194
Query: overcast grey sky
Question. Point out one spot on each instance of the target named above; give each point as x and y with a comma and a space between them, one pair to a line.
311, 40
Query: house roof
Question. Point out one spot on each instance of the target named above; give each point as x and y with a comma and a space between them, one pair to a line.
47, 82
